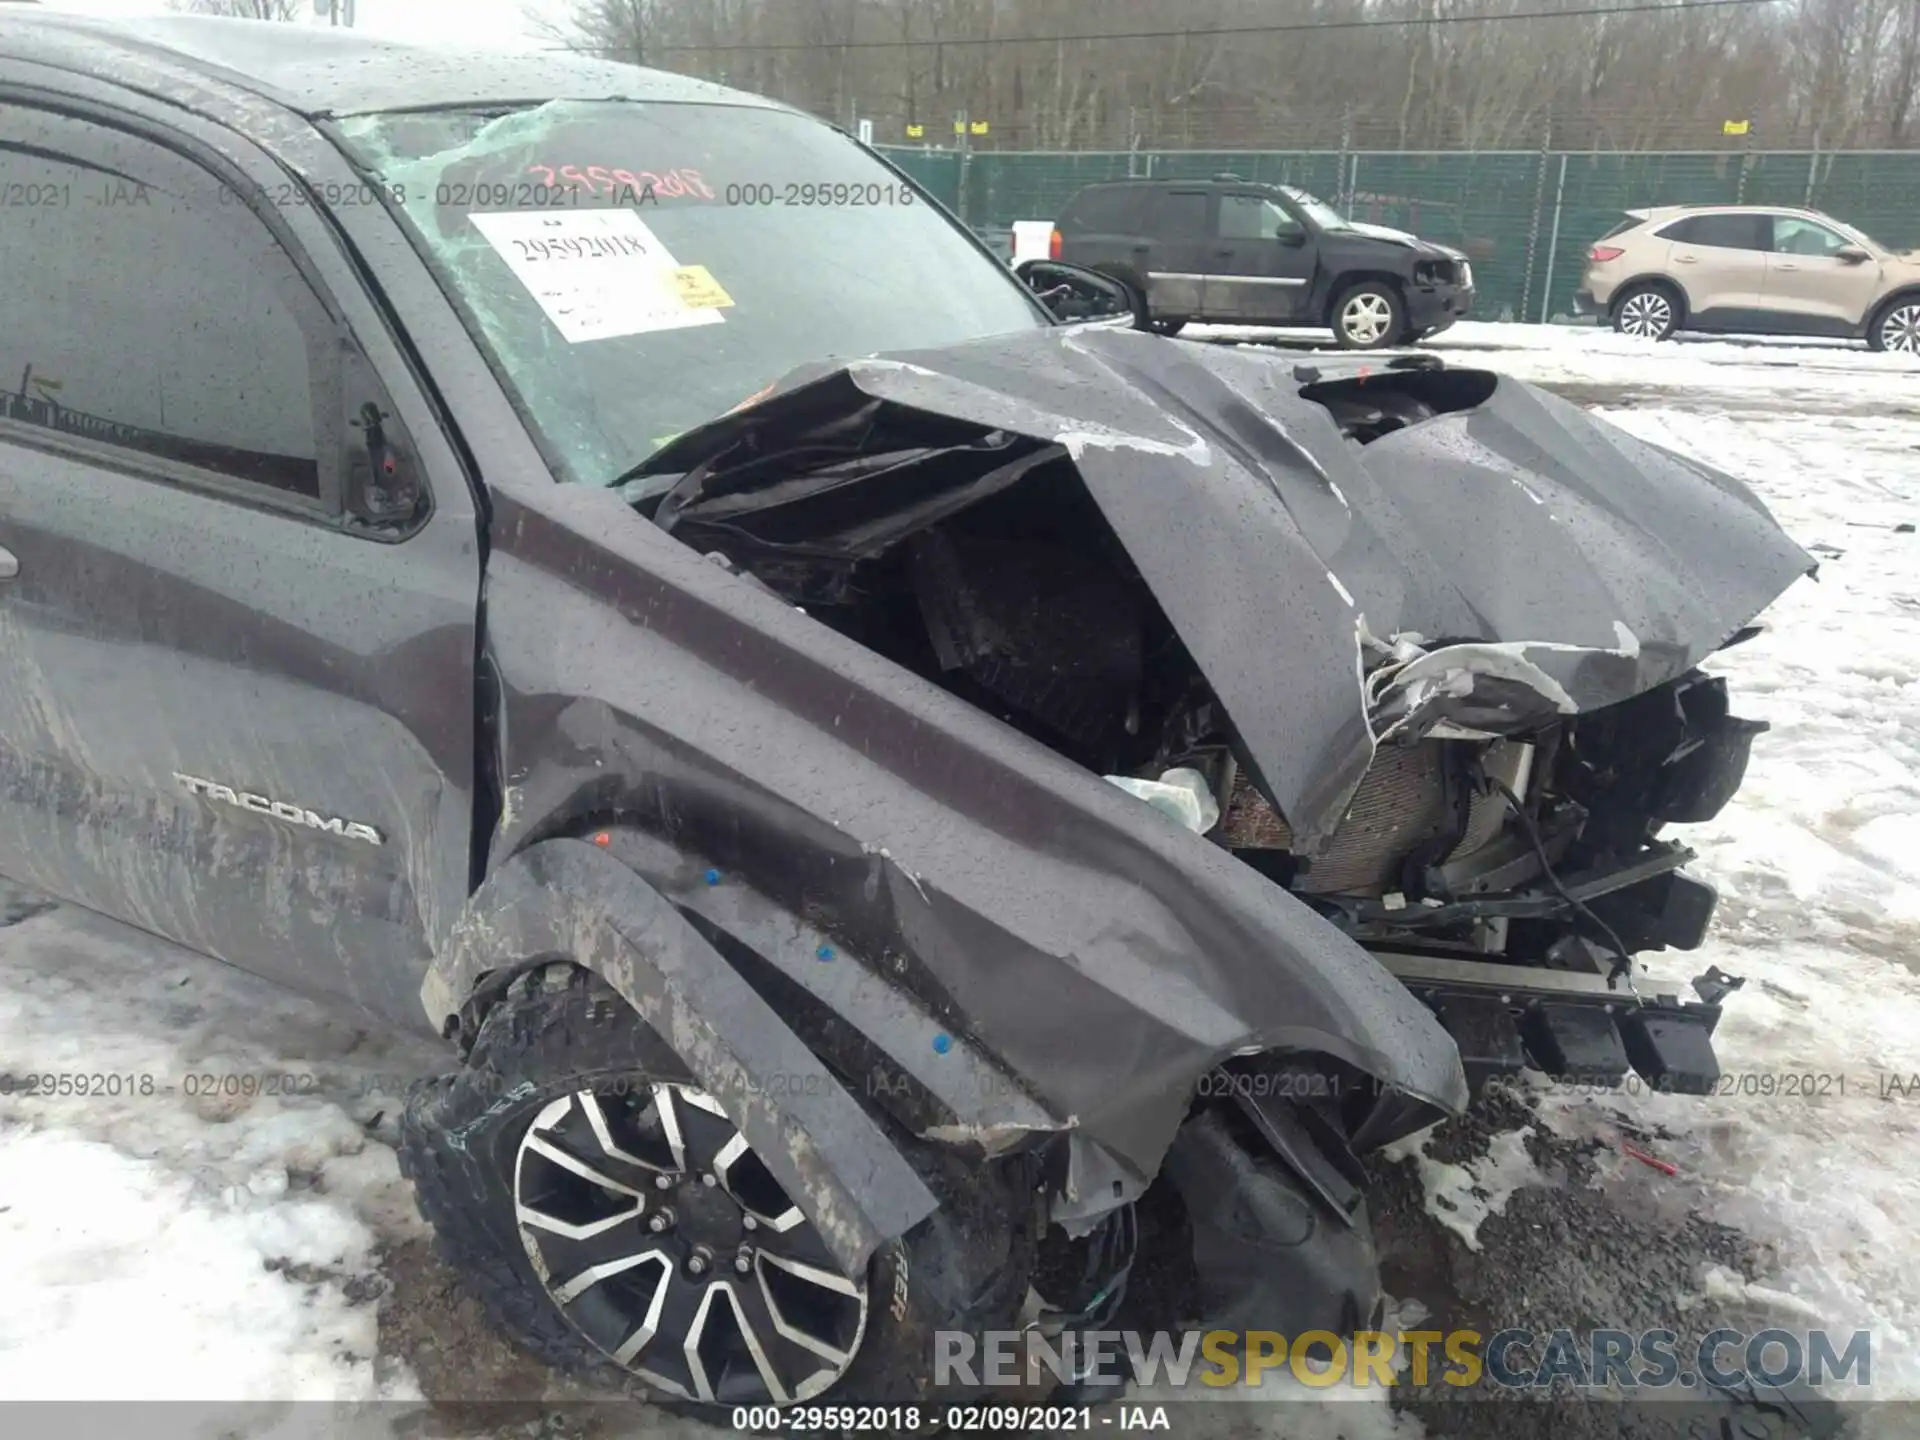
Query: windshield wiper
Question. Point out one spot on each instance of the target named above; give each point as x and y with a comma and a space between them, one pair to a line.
638, 490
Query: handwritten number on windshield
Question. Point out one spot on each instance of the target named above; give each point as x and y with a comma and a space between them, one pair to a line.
678, 182
581, 247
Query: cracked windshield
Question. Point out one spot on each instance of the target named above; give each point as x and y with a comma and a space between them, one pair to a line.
631, 268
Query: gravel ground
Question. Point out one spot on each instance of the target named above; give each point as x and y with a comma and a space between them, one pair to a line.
1577, 1251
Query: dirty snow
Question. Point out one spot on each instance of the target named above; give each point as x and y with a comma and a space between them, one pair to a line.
1817, 864
241, 1240
1462, 1196
1815, 1148
219, 1246
1592, 355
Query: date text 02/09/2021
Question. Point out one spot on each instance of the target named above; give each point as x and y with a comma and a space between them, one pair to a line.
918, 1419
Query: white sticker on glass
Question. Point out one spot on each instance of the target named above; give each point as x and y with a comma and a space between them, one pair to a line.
596, 273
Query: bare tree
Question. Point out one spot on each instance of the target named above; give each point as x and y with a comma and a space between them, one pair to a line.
243, 9
1903, 76
1365, 74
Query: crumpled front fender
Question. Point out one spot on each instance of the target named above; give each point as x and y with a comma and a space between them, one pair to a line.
1099, 954
565, 899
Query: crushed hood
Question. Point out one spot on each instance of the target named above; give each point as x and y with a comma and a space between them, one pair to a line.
1387, 232
1401, 237
1476, 573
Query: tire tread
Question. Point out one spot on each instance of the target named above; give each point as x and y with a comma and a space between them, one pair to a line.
547, 1036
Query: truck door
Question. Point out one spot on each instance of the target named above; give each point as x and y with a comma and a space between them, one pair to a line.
1263, 262
236, 662
1179, 230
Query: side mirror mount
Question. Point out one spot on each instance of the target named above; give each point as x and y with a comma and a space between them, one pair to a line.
1076, 295
383, 490
1852, 255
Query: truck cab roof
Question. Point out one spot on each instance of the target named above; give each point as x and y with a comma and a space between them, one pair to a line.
321, 72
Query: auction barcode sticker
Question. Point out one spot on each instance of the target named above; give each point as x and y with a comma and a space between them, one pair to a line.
599, 273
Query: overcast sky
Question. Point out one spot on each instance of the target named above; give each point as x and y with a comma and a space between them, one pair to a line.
490, 23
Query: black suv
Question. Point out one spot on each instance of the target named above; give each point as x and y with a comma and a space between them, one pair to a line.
471, 546
1233, 251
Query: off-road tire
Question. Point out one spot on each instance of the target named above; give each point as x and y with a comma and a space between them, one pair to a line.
559, 1030
1171, 326
1650, 311
1382, 302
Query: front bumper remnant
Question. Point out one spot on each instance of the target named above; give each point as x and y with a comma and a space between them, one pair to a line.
1570, 1025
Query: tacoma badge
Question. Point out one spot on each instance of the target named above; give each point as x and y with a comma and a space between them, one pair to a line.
280, 810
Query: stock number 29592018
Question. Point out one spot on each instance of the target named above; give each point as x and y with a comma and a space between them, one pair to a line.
872, 193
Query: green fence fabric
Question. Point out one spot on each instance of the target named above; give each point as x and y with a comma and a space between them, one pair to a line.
1527, 218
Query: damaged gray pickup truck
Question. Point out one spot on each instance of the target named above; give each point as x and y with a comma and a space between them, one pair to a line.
904, 809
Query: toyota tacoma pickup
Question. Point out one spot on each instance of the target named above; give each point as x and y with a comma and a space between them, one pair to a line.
878, 788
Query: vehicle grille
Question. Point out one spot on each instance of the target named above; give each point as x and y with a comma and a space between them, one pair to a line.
1443, 272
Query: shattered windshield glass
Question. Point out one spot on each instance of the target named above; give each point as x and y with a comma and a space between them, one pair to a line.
638, 269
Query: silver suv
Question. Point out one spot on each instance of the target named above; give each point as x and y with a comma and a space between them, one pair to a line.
1754, 269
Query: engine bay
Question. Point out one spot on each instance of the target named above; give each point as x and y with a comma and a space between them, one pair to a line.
978, 559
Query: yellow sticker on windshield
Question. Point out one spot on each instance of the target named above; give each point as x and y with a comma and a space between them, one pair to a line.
698, 289
598, 274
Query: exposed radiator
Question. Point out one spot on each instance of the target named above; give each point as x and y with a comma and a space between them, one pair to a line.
1401, 803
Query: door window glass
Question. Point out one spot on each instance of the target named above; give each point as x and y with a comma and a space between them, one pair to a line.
1721, 232
1180, 214
145, 307
1794, 236
1253, 217
1112, 208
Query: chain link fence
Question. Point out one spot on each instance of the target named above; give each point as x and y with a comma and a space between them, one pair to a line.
1526, 218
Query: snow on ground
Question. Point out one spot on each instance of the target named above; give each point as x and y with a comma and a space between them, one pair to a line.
1739, 369
1815, 1146
1818, 860
239, 1236
1732, 375
1461, 1197
213, 1246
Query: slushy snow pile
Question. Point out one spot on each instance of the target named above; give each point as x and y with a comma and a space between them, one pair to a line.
213, 1247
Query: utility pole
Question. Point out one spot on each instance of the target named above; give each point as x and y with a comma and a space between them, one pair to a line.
963, 128
1533, 227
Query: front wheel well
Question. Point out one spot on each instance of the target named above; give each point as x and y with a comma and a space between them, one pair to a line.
1343, 284
570, 1054
1665, 283
1878, 313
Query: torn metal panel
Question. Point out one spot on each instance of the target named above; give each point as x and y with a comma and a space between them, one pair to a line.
1583, 566
945, 1087
1099, 954
1092, 1187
